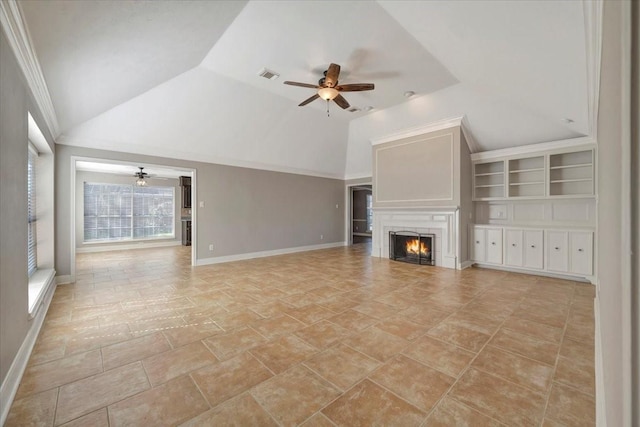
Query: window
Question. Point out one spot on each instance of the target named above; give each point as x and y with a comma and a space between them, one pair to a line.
32, 252
114, 212
369, 213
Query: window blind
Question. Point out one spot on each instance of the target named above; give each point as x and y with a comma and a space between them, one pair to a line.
114, 212
32, 258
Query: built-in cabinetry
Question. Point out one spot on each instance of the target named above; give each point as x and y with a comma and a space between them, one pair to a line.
568, 252
559, 174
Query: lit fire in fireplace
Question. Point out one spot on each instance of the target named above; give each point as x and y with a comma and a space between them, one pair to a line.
415, 247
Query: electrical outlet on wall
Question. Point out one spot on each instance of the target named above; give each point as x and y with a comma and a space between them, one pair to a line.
321, 237
211, 247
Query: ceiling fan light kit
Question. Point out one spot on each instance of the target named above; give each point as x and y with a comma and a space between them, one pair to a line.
140, 175
328, 93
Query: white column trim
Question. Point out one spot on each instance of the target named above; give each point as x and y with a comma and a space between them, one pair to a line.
17, 32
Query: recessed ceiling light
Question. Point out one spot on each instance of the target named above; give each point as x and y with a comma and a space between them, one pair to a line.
268, 74
368, 108
409, 94
567, 120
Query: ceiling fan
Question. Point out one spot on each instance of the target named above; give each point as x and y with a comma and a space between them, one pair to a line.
329, 89
141, 175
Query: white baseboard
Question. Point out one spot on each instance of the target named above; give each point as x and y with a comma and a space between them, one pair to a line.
126, 246
65, 280
601, 413
542, 273
262, 254
11, 382
466, 264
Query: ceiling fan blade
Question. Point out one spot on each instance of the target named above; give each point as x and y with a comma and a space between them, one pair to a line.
302, 84
341, 101
308, 100
331, 79
356, 87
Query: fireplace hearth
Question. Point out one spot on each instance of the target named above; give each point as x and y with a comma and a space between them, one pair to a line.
412, 247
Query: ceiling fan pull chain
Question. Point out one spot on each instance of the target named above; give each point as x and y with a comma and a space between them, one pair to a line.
328, 108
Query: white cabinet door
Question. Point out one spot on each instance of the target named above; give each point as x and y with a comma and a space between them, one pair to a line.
478, 244
513, 251
581, 258
494, 245
558, 251
533, 249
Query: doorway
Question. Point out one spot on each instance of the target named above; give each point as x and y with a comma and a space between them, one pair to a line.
361, 214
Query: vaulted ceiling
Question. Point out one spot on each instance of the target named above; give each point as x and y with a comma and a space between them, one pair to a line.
180, 78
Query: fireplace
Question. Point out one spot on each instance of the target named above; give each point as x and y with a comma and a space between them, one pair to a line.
415, 248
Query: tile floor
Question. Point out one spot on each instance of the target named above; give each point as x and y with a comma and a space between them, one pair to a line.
331, 337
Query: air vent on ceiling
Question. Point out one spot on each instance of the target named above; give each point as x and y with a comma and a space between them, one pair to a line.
353, 110
268, 74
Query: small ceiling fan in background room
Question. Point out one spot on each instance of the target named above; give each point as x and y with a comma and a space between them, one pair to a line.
329, 89
141, 175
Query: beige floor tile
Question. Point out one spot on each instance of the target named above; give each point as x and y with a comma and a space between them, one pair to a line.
439, 355
233, 343
578, 373
570, 406
277, 326
169, 404
368, 404
282, 353
499, 399
318, 420
342, 366
133, 350
110, 315
322, 334
310, 314
450, 412
543, 351
87, 395
533, 329
240, 411
171, 364
294, 395
229, 378
377, 344
402, 327
53, 374
99, 418
353, 320
34, 410
520, 370
418, 384
460, 335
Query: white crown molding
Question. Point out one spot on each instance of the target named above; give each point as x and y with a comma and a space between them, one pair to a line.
593, 34
419, 130
564, 144
131, 148
17, 33
473, 145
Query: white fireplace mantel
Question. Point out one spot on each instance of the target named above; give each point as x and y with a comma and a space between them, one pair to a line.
443, 222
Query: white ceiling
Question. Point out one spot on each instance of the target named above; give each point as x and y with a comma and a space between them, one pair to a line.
179, 78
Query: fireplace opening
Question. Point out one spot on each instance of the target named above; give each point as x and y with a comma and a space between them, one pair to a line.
411, 247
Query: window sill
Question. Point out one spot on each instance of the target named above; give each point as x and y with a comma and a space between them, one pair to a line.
39, 283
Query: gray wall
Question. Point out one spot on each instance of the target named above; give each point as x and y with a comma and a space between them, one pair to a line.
109, 178
635, 224
612, 289
245, 210
15, 102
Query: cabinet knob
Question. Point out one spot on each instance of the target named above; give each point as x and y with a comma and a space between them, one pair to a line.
533, 246
478, 241
579, 250
513, 244
557, 248
493, 243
